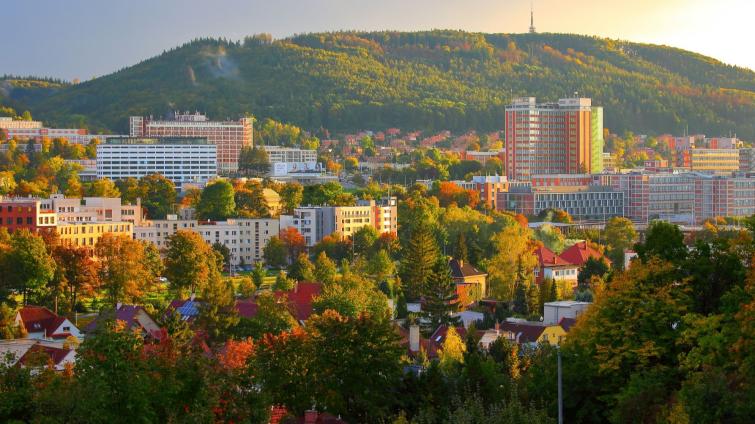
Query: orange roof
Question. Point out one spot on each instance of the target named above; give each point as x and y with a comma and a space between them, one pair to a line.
547, 258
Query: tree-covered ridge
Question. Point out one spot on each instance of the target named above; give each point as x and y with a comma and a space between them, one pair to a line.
454, 80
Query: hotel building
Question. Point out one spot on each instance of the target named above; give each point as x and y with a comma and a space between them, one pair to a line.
181, 160
229, 136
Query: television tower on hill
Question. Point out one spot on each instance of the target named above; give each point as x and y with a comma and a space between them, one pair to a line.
532, 19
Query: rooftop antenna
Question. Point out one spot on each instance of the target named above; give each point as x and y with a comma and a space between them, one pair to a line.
532, 18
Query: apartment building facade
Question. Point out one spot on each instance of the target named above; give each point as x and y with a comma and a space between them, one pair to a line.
565, 137
229, 136
590, 203
245, 238
93, 209
180, 159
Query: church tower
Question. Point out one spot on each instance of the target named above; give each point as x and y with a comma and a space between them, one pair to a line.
532, 19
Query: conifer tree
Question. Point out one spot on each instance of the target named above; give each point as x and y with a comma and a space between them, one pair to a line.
440, 294
416, 267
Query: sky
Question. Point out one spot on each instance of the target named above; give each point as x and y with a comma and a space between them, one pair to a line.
88, 38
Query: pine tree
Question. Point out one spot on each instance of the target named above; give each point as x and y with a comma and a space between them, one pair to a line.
440, 294
421, 254
520, 293
461, 251
217, 315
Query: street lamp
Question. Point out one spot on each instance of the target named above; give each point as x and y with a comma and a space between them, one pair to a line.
560, 390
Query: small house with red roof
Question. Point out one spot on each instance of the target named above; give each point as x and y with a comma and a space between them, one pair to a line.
36, 353
299, 298
580, 252
133, 317
43, 324
554, 267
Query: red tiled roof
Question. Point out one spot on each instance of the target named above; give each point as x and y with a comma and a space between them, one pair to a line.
547, 258
38, 319
56, 354
579, 253
246, 308
301, 297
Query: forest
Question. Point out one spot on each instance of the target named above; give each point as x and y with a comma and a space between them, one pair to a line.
431, 80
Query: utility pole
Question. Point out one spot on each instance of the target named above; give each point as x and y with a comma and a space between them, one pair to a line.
560, 390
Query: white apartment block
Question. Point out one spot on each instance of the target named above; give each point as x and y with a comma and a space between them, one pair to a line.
289, 160
93, 209
316, 222
181, 160
245, 238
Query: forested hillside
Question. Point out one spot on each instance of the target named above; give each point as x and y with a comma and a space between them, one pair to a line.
419, 80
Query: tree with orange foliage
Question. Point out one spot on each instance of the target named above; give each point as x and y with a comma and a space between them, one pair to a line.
293, 240
122, 267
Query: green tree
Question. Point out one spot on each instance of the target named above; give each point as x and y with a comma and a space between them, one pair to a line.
275, 253
186, 261
225, 254
273, 317
78, 272
254, 161
103, 187
258, 274
302, 269
217, 314
27, 266
513, 262
217, 201
325, 269
663, 240
158, 195
440, 294
364, 239
620, 235
291, 196
592, 268
420, 255
282, 282
452, 353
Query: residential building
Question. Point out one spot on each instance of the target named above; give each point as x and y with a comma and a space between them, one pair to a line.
470, 282
43, 324
245, 238
180, 159
580, 252
564, 137
34, 130
25, 213
315, 222
488, 186
36, 353
229, 136
87, 234
555, 312
93, 209
133, 317
717, 196
524, 333
553, 267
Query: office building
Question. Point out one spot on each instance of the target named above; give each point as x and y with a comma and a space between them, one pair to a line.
488, 186
714, 160
229, 136
35, 130
553, 138
180, 159
245, 238
590, 203
747, 159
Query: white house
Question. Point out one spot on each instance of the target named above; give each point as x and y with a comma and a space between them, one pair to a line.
43, 324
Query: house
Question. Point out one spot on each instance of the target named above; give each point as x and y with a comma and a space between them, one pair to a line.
132, 316
468, 317
299, 299
567, 323
188, 309
554, 267
33, 352
580, 252
415, 343
531, 332
554, 312
470, 282
280, 415
43, 324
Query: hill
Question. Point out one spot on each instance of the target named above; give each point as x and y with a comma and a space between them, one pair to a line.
420, 80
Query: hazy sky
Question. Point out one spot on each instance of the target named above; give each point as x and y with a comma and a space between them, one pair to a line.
87, 38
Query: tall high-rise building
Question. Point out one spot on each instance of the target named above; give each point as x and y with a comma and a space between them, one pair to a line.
229, 136
565, 137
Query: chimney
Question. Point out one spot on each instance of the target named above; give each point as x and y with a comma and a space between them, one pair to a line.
118, 306
310, 416
414, 338
461, 263
191, 298
497, 328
